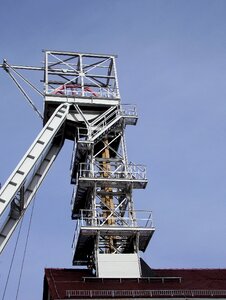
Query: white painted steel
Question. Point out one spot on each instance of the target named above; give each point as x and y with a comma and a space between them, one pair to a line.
79, 100
146, 294
17, 178
10, 223
87, 84
118, 265
40, 157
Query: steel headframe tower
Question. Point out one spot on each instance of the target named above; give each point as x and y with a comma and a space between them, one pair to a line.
82, 104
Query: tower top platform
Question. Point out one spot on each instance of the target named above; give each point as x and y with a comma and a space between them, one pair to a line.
79, 78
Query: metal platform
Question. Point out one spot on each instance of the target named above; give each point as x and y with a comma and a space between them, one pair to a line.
79, 78
124, 230
113, 182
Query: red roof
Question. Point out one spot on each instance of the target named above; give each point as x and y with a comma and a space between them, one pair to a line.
161, 283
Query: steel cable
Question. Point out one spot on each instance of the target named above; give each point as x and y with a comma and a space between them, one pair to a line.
25, 249
12, 260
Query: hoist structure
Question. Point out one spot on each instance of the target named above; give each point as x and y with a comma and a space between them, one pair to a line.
82, 103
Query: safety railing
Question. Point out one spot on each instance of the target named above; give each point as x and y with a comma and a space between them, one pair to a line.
145, 293
72, 90
128, 110
113, 219
113, 170
105, 121
117, 218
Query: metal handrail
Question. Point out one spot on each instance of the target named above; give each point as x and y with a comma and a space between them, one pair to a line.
77, 91
127, 110
104, 122
119, 170
143, 293
121, 218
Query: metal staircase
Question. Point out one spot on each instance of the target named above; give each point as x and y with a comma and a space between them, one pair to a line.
102, 200
114, 119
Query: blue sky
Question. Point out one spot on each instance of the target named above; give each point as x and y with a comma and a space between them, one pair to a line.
172, 65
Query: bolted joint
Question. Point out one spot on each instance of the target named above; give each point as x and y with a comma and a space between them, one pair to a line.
5, 65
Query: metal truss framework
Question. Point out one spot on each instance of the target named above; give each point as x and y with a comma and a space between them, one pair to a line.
82, 103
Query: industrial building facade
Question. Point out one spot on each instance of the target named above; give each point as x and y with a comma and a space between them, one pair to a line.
156, 283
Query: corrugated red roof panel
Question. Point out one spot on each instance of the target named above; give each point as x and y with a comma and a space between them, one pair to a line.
79, 283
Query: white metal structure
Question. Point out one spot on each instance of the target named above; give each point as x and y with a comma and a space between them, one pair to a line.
82, 104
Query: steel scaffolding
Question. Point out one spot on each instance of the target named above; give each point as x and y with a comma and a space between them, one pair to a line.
82, 103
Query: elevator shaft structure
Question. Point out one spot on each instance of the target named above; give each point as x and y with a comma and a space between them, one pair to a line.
82, 103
